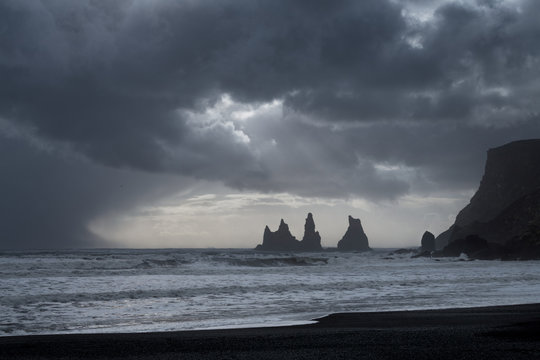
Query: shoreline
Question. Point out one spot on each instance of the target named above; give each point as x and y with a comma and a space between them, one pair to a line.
280, 324
510, 331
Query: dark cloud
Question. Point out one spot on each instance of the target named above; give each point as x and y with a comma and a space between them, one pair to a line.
109, 78
376, 102
49, 198
469, 62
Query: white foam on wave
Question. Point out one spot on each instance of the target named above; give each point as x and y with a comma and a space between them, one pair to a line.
107, 290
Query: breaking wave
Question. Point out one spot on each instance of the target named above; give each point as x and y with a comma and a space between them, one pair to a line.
126, 290
276, 261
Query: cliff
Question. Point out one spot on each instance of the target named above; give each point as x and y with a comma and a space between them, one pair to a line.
512, 171
505, 210
355, 239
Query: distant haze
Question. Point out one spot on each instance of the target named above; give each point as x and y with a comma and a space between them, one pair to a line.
148, 123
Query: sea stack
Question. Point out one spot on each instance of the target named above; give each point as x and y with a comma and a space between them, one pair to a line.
311, 240
428, 242
502, 219
355, 239
280, 240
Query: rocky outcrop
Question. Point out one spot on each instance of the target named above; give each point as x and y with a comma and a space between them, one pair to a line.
444, 238
355, 239
428, 242
311, 240
280, 240
502, 219
512, 171
510, 223
283, 240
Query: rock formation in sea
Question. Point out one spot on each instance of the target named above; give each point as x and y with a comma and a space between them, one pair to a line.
283, 240
280, 240
355, 239
311, 240
428, 242
502, 219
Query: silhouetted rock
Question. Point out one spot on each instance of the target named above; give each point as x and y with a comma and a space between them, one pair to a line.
428, 242
510, 224
444, 238
505, 211
512, 171
525, 247
354, 239
469, 246
475, 247
283, 240
280, 240
311, 240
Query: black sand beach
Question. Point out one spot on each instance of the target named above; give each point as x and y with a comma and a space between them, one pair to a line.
504, 332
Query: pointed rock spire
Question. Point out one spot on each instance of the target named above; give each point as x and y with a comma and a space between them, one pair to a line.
311, 240
355, 239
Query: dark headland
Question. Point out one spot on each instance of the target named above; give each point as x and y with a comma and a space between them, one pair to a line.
506, 332
502, 220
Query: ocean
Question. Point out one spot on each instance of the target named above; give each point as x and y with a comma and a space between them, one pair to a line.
125, 290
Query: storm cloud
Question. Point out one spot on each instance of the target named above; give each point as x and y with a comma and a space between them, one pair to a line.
371, 99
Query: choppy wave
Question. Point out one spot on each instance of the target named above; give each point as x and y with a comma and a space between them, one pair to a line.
275, 261
167, 263
165, 289
138, 262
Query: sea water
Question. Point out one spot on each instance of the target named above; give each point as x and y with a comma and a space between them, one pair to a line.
86, 291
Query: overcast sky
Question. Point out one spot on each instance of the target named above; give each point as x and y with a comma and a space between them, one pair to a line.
194, 123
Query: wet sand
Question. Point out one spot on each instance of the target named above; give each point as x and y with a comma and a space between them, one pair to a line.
504, 332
